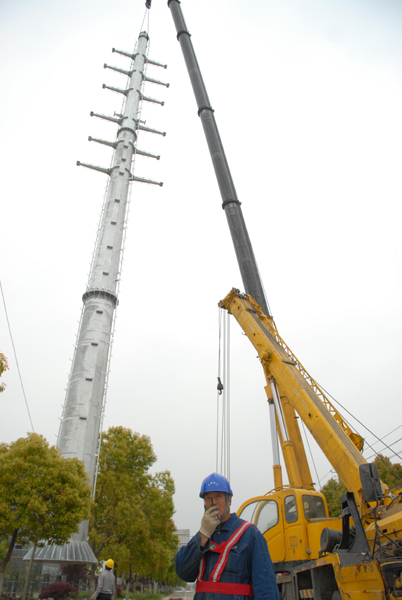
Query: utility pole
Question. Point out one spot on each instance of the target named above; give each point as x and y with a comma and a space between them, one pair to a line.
81, 422
87, 386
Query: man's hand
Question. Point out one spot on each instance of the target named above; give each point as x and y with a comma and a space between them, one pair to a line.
93, 597
209, 521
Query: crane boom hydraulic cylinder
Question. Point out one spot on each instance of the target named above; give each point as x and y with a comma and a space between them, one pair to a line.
230, 203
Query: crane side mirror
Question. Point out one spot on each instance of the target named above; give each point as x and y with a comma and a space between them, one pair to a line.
371, 483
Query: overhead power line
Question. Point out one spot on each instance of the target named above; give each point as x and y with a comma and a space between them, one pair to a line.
15, 355
358, 421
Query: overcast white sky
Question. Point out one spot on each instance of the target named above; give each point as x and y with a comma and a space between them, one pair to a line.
307, 97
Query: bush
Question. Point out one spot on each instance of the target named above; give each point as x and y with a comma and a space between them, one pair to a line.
119, 592
58, 591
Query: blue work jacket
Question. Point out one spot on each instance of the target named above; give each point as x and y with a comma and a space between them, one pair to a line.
249, 562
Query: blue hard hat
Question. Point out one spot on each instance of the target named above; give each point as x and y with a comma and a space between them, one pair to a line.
215, 483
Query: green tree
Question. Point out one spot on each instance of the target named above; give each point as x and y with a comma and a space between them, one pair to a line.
333, 490
390, 473
132, 521
43, 496
3, 367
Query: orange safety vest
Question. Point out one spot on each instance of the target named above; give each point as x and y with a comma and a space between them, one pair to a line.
214, 585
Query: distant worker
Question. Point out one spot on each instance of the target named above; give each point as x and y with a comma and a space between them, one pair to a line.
105, 588
228, 557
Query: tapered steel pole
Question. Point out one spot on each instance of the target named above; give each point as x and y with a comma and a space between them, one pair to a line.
230, 202
86, 392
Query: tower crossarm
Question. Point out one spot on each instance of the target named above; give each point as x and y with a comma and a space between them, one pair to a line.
118, 90
128, 73
156, 64
142, 153
104, 142
142, 180
143, 128
155, 81
147, 99
107, 118
146, 59
128, 54
95, 168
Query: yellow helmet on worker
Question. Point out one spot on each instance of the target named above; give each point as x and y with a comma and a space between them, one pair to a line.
109, 563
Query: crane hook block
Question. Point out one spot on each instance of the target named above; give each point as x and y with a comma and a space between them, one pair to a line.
148, 3
219, 387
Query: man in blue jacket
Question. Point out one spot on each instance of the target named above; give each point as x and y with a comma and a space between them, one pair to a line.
228, 556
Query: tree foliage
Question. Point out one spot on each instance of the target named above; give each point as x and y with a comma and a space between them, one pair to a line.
333, 490
43, 496
390, 473
132, 521
3, 367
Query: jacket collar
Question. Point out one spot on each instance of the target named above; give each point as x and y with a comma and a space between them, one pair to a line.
229, 524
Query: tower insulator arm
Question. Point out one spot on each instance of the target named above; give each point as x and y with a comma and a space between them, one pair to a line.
142, 180
142, 153
155, 81
105, 142
153, 62
128, 54
142, 128
128, 73
106, 117
100, 169
119, 91
147, 99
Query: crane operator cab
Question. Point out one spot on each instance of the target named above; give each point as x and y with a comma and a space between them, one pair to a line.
291, 520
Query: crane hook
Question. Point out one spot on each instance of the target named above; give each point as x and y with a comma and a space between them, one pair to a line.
219, 387
148, 3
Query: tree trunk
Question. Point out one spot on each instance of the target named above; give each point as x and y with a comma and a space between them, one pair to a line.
114, 595
7, 557
92, 574
128, 583
28, 578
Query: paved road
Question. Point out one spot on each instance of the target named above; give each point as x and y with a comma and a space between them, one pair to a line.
184, 595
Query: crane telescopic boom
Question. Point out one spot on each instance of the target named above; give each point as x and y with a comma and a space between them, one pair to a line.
230, 202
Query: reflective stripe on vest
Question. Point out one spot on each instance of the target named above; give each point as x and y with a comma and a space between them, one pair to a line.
214, 585
234, 589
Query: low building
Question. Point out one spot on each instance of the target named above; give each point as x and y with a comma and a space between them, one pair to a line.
184, 537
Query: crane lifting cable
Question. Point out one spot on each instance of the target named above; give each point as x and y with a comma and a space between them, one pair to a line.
223, 397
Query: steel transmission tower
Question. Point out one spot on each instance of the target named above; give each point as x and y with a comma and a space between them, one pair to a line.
81, 423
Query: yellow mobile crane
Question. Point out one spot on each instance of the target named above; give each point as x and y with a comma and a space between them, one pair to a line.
359, 554
356, 555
